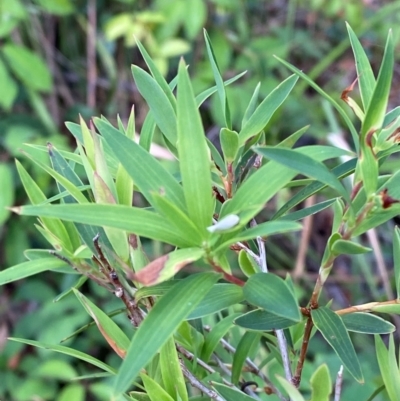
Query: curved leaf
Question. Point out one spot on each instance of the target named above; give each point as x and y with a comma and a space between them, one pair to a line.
171, 310
271, 293
334, 331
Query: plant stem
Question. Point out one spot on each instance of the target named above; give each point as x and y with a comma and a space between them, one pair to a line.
306, 338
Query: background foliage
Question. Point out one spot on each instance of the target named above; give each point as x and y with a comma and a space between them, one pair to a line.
60, 58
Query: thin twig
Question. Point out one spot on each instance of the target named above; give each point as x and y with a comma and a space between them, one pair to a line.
198, 384
253, 367
282, 344
187, 354
306, 338
91, 54
338, 385
304, 240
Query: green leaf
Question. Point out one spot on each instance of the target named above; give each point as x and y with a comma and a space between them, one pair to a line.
215, 336
231, 394
271, 293
262, 230
156, 74
262, 320
193, 155
200, 98
171, 309
9, 88
266, 109
36, 196
365, 74
321, 384
334, 331
30, 268
161, 108
396, 259
111, 332
131, 219
147, 173
246, 344
219, 81
229, 144
251, 107
220, 297
28, 66
67, 351
308, 211
178, 219
367, 323
291, 390
278, 176
335, 104
166, 266
154, 390
304, 164
247, 264
6, 190
341, 171
388, 367
171, 371
346, 247
376, 111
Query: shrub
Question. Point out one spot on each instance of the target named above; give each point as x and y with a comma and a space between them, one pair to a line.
208, 212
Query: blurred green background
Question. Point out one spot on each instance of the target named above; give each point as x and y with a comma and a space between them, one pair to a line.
62, 58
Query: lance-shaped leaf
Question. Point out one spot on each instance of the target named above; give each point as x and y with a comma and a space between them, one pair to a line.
166, 266
251, 107
111, 332
376, 111
334, 331
147, 173
388, 367
117, 238
304, 164
178, 219
156, 74
396, 258
171, 371
266, 109
367, 323
67, 351
321, 384
262, 230
335, 104
219, 81
123, 182
346, 247
154, 391
262, 320
278, 176
193, 155
26, 269
341, 171
36, 196
291, 390
171, 310
365, 74
159, 103
133, 220
271, 293
245, 347
308, 211
214, 337
220, 297
229, 144
231, 394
